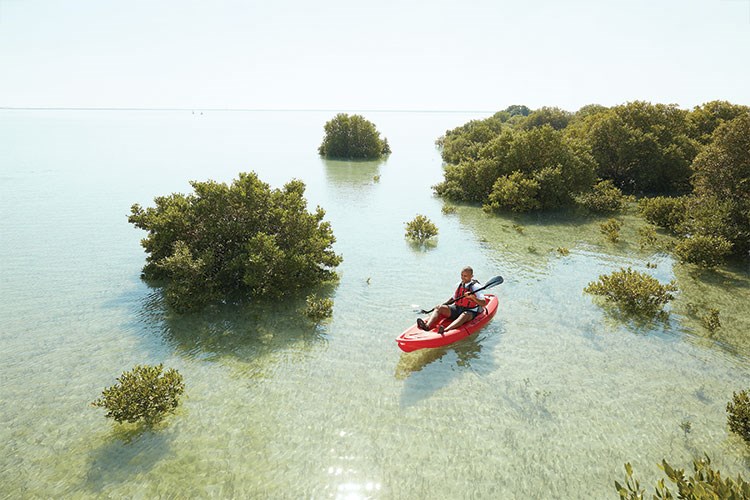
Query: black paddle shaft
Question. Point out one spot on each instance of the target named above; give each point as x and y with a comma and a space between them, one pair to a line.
493, 282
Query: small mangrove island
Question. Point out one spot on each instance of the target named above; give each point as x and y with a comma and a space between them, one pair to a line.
352, 138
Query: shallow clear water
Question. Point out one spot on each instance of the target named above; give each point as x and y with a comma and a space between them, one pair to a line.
547, 401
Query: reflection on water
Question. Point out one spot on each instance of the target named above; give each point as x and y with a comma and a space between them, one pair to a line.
423, 246
466, 350
351, 173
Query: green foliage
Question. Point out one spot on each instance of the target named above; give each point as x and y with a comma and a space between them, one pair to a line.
633, 292
738, 415
702, 250
643, 147
589, 110
583, 120
663, 211
540, 168
632, 489
465, 142
556, 118
468, 181
448, 209
317, 309
647, 236
604, 197
513, 192
709, 215
722, 183
517, 110
711, 320
563, 251
611, 229
352, 137
226, 243
142, 394
705, 484
707, 117
421, 229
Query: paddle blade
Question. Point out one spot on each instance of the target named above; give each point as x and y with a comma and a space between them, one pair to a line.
493, 282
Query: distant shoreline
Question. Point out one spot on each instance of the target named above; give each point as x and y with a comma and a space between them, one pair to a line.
9, 108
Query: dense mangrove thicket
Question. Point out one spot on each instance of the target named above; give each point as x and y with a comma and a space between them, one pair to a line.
604, 197
694, 163
520, 170
233, 242
352, 137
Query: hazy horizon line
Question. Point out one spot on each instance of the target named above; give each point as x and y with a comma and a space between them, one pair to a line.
67, 108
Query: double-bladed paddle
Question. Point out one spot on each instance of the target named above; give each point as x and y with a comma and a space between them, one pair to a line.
492, 282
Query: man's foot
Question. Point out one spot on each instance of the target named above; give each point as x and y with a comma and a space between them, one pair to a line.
422, 325
441, 330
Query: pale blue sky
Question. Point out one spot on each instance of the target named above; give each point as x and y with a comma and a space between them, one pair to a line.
374, 55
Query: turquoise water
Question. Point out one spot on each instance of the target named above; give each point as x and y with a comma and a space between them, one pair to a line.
549, 400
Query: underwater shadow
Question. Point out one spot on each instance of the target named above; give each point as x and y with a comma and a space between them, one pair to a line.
245, 331
728, 278
638, 325
347, 173
422, 246
424, 373
129, 451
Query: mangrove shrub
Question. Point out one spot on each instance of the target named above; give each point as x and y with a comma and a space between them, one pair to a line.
352, 137
722, 179
711, 320
611, 229
556, 118
643, 147
465, 142
633, 292
513, 192
707, 117
702, 250
145, 393
705, 483
738, 414
663, 211
317, 309
541, 163
603, 198
421, 229
233, 242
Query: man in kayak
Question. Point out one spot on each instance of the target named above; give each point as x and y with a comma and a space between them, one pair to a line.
465, 304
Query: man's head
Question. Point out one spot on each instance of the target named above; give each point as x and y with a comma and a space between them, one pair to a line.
467, 273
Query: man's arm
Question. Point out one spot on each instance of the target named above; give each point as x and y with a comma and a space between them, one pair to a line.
480, 301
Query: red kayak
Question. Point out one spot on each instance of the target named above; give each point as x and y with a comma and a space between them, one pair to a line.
414, 338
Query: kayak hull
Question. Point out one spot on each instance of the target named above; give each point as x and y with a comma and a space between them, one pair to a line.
413, 338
